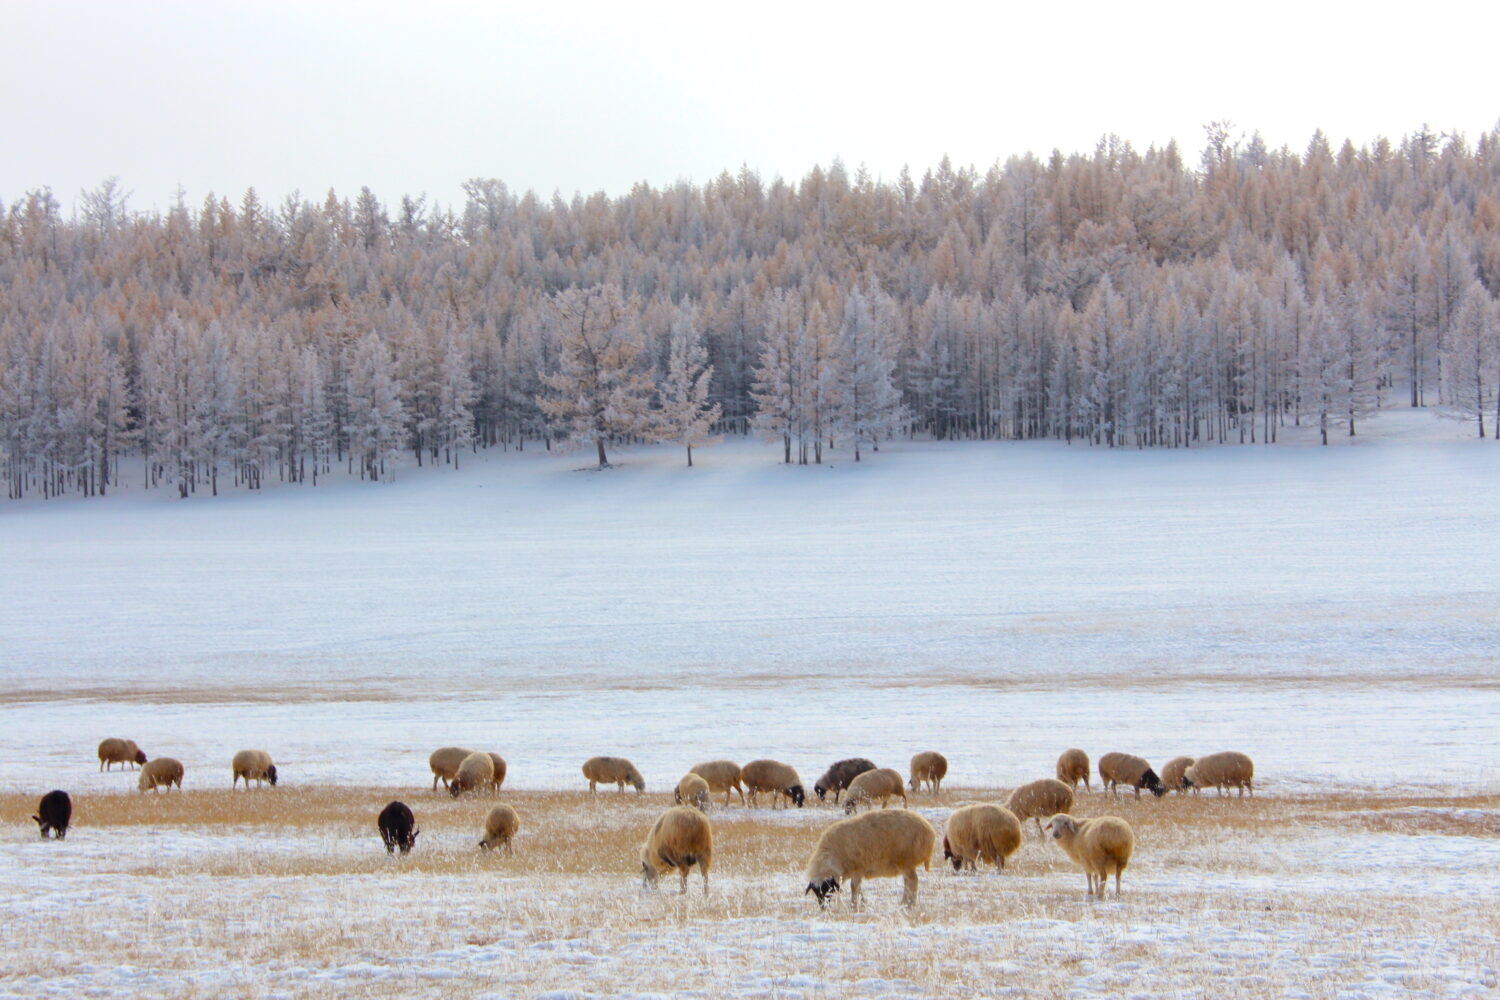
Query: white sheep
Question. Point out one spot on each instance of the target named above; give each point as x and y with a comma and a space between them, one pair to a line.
982, 832
1229, 769
722, 776
1073, 766
692, 790
444, 762
253, 764
1174, 775
1131, 771
928, 767
873, 845
774, 777
1100, 846
883, 783
162, 772
1043, 797
499, 827
681, 838
477, 771
613, 771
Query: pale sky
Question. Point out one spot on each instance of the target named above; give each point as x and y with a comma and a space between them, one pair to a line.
410, 98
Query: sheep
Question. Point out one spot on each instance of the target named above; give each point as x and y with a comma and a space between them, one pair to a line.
499, 827
883, 783
117, 751
397, 827
1128, 769
722, 776
692, 790
476, 771
775, 777
53, 814
874, 845
838, 776
929, 766
983, 832
1228, 769
255, 764
1072, 766
499, 764
1043, 797
1100, 846
613, 771
681, 838
444, 762
1174, 775
160, 772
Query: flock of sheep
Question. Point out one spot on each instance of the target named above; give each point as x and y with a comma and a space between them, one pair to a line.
875, 844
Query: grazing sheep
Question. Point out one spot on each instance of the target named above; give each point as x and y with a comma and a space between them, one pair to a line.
397, 827
1043, 797
838, 776
1174, 775
444, 763
161, 772
1100, 846
883, 783
1128, 769
613, 771
775, 777
722, 776
692, 790
681, 838
53, 814
875, 845
499, 827
117, 751
928, 766
1228, 769
476, 772
983, 832
254, 764
499, 779
1072, 766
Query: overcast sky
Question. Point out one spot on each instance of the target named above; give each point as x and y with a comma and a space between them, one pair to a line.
217, 96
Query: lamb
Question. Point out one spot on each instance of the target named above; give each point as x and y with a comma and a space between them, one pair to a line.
838, 776
928, 766
1228, 769
499, 827
1127, 769
883, 783
983, 832
1043, 797
874, 845
1174, 775
613, 771
117, 751
53, 814
693, 790
254, 764
397, 827
722, 776
444, 763
681, 838
476, 771
160, 772
1072, 766
775, 777
499, 764
1100, 846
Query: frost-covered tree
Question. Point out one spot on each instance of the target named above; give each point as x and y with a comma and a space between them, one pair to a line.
377, 422
1471, 359
686, 416
777, 387
871, 405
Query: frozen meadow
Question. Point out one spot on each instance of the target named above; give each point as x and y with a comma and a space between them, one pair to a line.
1334, 612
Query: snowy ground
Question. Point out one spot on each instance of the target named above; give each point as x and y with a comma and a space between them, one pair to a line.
1321, 609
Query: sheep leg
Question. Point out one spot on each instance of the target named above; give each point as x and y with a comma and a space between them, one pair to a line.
592, 790
854, 882
683, 871
909, 888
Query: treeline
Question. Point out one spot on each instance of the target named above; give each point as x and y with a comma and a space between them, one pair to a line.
1119, 298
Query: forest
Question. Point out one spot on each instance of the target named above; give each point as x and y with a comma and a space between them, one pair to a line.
1115, 298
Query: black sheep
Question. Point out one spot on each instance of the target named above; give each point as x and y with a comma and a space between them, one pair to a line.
838, 776
53, 813
397, 827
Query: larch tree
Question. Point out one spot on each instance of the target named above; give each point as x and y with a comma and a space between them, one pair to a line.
777, 385
377, 422
871, 404
686, 416
1471, 359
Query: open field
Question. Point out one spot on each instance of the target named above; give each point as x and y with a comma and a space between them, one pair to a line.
289, 892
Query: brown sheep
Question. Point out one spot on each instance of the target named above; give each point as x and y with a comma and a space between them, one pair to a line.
1131, 771
117, 751
1225, 770
613, 771
253, 764
1072, 767
875, 845
477, 771
929, 766
499, 764
775, 777
883, 783
499, 827
1043, 797
162, 772
1100, 846
983, 832
692, 790
722, 776
444, 762
681, 838
1174, 775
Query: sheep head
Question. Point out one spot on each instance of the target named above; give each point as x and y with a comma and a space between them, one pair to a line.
271, 775
1150, 781
796, 794
948, 855
823, 890
140, 757
822, 795
1062, 825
